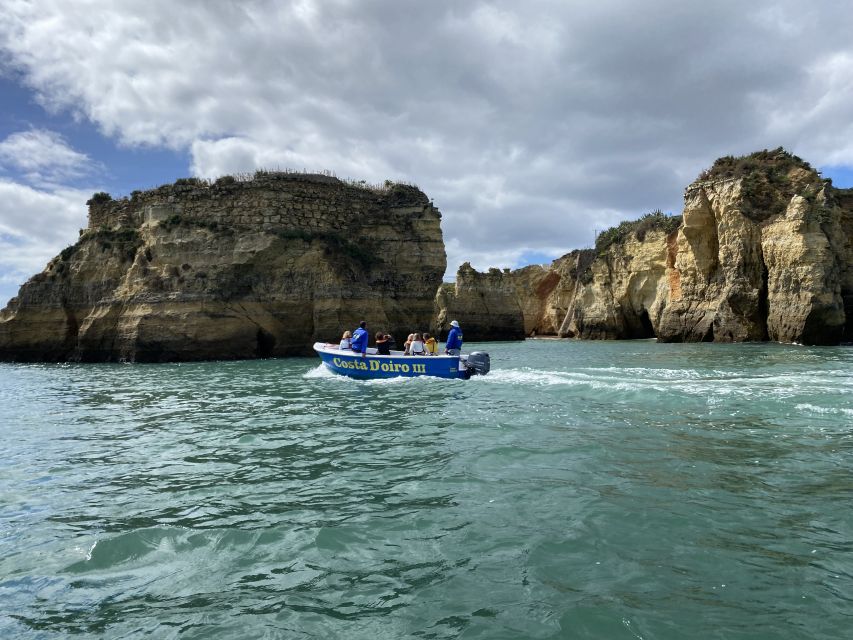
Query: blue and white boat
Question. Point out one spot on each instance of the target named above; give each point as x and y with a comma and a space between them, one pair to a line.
373, 366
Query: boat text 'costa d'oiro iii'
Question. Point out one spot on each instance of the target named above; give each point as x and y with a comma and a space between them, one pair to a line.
371, 366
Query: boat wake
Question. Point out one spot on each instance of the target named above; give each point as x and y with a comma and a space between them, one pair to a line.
320, 371
690, 382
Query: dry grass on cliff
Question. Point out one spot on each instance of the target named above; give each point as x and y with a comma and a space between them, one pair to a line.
655, 220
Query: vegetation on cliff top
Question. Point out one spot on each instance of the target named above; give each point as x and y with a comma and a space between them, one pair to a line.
655, 220
769, 180
388, 187
776, 163
101, 197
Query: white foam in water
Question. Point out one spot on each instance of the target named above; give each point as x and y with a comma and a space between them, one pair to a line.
687, 381
824, 410
651, 374
320, 371
713, 383
569, 378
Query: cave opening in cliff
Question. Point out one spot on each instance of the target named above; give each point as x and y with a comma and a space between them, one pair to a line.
265, 344
642, 328
646, 322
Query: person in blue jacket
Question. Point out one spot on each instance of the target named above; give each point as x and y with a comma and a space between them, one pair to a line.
454, 340
359, 339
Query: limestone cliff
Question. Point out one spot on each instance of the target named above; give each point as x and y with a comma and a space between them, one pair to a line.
762, 251
487, 304
234, 269
509, 305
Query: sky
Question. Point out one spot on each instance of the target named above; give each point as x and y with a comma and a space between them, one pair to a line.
531, 125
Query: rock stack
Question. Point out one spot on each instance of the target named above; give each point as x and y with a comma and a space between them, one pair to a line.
231, 269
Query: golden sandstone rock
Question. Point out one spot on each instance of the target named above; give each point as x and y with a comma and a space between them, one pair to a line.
264, 267
234, 269
763, 251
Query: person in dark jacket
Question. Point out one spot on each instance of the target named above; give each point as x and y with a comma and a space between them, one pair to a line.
383, 346
454, 340
360, 338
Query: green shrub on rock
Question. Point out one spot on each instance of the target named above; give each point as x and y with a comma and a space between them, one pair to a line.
655, 220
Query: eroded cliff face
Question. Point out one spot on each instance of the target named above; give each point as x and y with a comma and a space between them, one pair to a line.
746, 273
619, 296
231, 270
509, 305
763, 251
486, 303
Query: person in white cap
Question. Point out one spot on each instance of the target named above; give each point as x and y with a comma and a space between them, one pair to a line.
454, 340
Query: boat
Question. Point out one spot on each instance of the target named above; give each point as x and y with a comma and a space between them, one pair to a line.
372, 366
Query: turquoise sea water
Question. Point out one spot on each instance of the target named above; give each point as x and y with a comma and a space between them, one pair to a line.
580, 490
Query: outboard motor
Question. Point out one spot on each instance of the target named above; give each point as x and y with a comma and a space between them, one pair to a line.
478, 363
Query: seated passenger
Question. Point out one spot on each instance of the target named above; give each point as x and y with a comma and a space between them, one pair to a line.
383, 346
346, 341
430, 345
408, 344
417, 346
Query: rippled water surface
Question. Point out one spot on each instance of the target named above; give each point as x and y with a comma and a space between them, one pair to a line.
580, 490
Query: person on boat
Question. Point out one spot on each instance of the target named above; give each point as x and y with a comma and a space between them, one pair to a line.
358, 343
453, 347
383, 348
346, 341
431, 345
416, 348
408, 343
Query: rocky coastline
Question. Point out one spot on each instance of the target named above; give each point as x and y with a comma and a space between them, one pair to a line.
264, 266
763, 250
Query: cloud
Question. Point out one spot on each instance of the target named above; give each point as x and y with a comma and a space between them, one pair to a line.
529, 125
43, 156
34, 226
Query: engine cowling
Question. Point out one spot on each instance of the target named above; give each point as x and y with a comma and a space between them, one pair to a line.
478, 363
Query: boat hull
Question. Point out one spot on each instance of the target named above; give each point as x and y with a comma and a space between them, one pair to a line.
372, 366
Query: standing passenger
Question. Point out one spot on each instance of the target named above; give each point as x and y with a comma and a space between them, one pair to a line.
454, 340
360, 338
